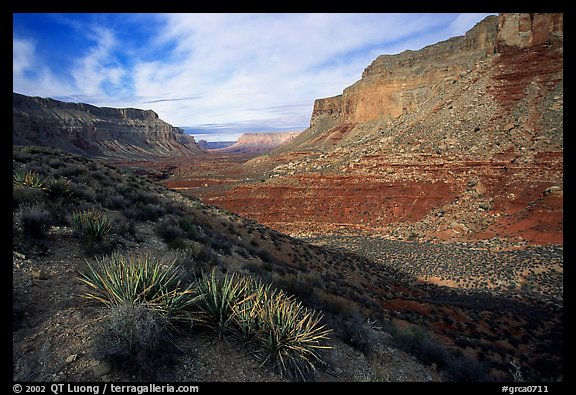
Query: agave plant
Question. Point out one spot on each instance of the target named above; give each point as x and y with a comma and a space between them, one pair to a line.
279, 329
290, 336
90, 225
29, 179
118, 279
220, 296
247, 311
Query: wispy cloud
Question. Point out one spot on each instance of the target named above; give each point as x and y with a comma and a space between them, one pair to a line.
223, 69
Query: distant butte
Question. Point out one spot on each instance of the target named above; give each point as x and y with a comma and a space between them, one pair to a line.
258, 142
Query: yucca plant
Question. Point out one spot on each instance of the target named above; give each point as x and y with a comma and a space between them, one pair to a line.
118, 279
247, 311
90, 225
279, 329
290, 336
220, 295
29, 179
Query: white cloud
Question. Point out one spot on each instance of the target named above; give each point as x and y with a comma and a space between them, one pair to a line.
30, 75
236, 69
22, 55
262, 60
98, 67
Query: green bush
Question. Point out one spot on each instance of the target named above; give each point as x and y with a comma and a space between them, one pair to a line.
35, 221
117, 279
289, 336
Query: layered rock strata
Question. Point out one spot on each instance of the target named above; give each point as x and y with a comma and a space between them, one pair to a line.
96, 131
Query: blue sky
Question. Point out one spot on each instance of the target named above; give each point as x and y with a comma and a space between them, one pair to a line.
217, 75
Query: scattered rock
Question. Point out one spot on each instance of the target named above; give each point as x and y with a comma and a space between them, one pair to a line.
71, 358
39, 274
18, 255
554, 190
102, 369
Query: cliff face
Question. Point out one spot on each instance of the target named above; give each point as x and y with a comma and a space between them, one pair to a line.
96, 131
259, 142
527, 30
394, 85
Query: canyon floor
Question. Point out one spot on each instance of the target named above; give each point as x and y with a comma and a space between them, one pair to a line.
478, 244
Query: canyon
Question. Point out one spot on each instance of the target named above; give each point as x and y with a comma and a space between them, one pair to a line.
459, 141
428, 194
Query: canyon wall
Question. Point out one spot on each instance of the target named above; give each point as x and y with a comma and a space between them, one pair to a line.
394, 85
96, 131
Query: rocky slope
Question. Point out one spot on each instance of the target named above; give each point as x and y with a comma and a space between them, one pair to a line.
499, 307
96, 131
259, 142
459, 140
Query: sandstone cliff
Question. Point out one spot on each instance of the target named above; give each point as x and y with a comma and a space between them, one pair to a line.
259, 142
96, 131
497, 49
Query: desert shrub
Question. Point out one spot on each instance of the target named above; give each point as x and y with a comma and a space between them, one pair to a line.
223, 244
115, 202
187, 259
118, 279
179, 244
264, 255
144, 197
82, 192
432, 351
188, 225
516, 372
22, 195
124, 227
71, 170
35, 221
132, 336
168, 230
359, 332
335, 304
465, 369
144, 212
409, 339
58, 211
59, 190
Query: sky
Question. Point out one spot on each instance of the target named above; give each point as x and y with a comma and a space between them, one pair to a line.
215, 75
